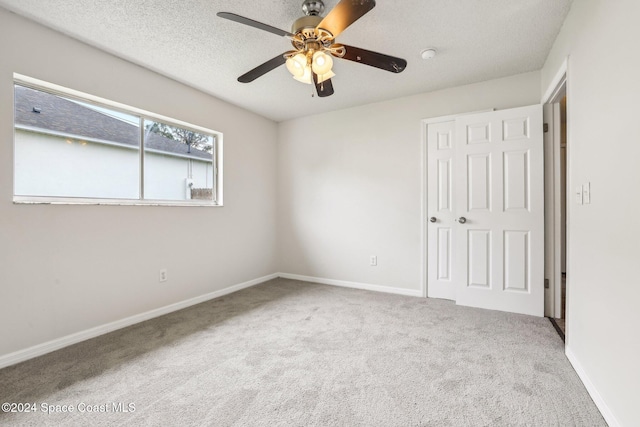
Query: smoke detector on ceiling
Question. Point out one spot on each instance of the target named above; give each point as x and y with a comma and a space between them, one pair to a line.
429, 53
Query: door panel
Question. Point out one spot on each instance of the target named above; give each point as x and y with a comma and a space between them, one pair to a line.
440, 198
479, 258
444, 185
444, 254
499, 250
477, 133
516, 260
478, 185
516, 128
516, 181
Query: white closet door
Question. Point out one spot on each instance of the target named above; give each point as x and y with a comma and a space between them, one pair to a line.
440, 200
499, 211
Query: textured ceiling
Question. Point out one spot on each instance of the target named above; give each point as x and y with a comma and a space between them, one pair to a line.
476, 40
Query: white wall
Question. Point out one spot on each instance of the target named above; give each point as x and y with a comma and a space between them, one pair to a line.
601, 39
350, 183
64, 269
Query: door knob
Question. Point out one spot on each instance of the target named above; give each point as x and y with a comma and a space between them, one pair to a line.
462, 220
433, 219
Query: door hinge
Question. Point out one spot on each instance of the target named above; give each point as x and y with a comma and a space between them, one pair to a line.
546, 283
546, 127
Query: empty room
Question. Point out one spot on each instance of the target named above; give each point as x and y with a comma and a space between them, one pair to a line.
319, 213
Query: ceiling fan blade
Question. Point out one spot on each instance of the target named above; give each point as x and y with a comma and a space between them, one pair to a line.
255, 24
325, 88
263, 69
374, 59
344, 14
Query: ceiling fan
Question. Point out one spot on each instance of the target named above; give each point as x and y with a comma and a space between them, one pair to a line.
313, 38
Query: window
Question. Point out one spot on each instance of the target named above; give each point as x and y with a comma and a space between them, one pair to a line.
76, 148
168, 150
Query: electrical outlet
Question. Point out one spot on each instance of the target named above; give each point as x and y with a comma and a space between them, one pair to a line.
373, 260
163, 275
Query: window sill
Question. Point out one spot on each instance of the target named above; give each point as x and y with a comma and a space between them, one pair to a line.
26, 200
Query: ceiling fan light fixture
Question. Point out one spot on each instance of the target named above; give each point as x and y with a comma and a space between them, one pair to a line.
313, 39
297, 65
326, 76
305, 77
321, 63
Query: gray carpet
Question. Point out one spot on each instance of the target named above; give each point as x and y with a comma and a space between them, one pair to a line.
288, 353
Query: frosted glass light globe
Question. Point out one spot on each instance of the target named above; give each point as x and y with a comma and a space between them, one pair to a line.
321, 63
297, 64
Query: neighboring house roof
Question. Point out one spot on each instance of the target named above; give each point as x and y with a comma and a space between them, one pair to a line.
54, 114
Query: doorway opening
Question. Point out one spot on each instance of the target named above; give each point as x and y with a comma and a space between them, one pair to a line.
560, 321
556, 167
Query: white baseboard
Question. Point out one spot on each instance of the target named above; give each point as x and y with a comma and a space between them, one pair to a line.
355, 285
49, 346
606, 412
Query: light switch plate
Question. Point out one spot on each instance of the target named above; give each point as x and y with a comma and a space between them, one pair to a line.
586, 193
579, 194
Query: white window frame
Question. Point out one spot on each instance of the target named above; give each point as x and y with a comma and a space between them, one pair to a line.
217, 152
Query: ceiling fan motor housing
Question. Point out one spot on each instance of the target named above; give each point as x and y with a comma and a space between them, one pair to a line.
313, 7
306, 25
